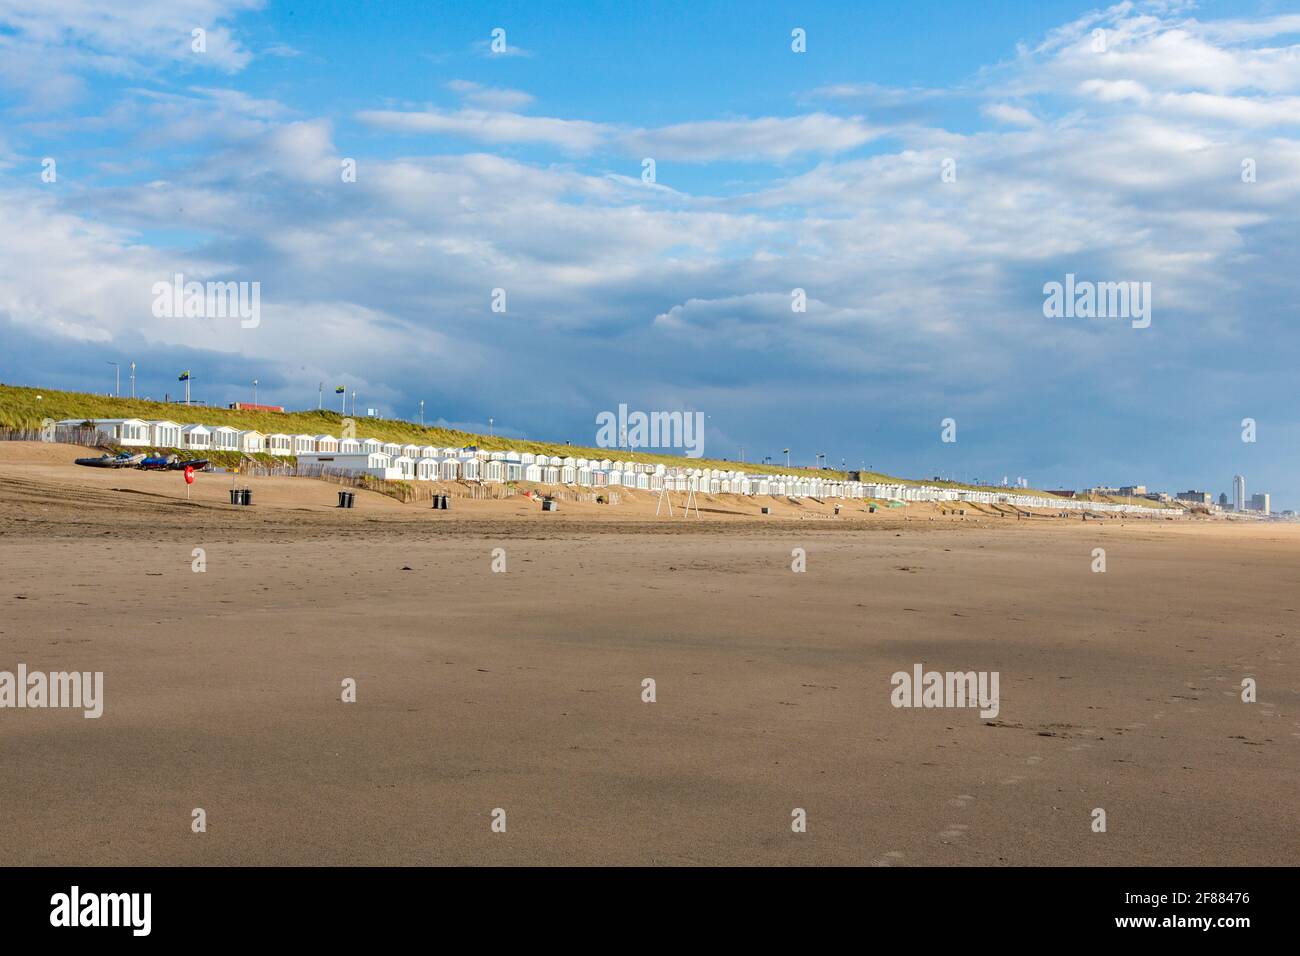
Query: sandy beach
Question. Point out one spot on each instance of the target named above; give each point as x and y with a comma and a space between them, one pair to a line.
522, 690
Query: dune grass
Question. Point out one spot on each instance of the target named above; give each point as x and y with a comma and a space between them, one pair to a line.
24, 407
20, 407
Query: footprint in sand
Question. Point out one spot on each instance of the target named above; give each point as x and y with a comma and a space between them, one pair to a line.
961, 802
955, 831
1033, 760
1013, 780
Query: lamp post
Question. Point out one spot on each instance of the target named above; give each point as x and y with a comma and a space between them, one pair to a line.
421, 413
254, 391
787, 458
490, 432
117, 379
133, 380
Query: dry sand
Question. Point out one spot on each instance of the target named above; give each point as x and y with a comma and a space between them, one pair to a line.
522, 690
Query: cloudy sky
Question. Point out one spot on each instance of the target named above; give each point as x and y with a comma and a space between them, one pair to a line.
1137, 143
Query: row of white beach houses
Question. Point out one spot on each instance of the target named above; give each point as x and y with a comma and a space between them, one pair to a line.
412, 462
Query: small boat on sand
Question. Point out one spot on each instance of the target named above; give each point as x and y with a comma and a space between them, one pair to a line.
123, 460
198, 464
157, 462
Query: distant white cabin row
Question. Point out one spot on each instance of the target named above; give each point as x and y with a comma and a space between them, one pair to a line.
411, 462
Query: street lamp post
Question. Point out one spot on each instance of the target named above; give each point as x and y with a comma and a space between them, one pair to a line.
490, 432
117, 379
254, 391
421, 413
787, 458
133, 380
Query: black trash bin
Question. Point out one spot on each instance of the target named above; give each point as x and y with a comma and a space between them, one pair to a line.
352, 497
345, 499
234, 496
246, 496
446, 503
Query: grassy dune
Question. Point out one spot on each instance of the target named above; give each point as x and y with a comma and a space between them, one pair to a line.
22, 407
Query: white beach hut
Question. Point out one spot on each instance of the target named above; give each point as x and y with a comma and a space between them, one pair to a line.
350, 446
165, 434
392, 449
251, 441
449, 469
225, 438
426, 469
196, 437
469, 469
533, 472
327, 443
551, 475
125, 431
278, 443
304, 444
494, 470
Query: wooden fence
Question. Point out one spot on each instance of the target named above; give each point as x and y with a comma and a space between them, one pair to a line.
65, 434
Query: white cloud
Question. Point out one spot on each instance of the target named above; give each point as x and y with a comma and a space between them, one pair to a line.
490, 98
489, 126
48, 47
1010, 115
753, 139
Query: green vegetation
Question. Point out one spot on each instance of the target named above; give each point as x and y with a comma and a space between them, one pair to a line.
20, 408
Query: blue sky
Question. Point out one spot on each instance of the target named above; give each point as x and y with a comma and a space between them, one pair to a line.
775, 170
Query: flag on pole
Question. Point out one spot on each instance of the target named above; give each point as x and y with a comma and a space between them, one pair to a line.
340, 389
184, 376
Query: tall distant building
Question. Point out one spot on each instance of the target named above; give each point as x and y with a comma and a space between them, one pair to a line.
1223, 499
1238, 493
1259, 502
